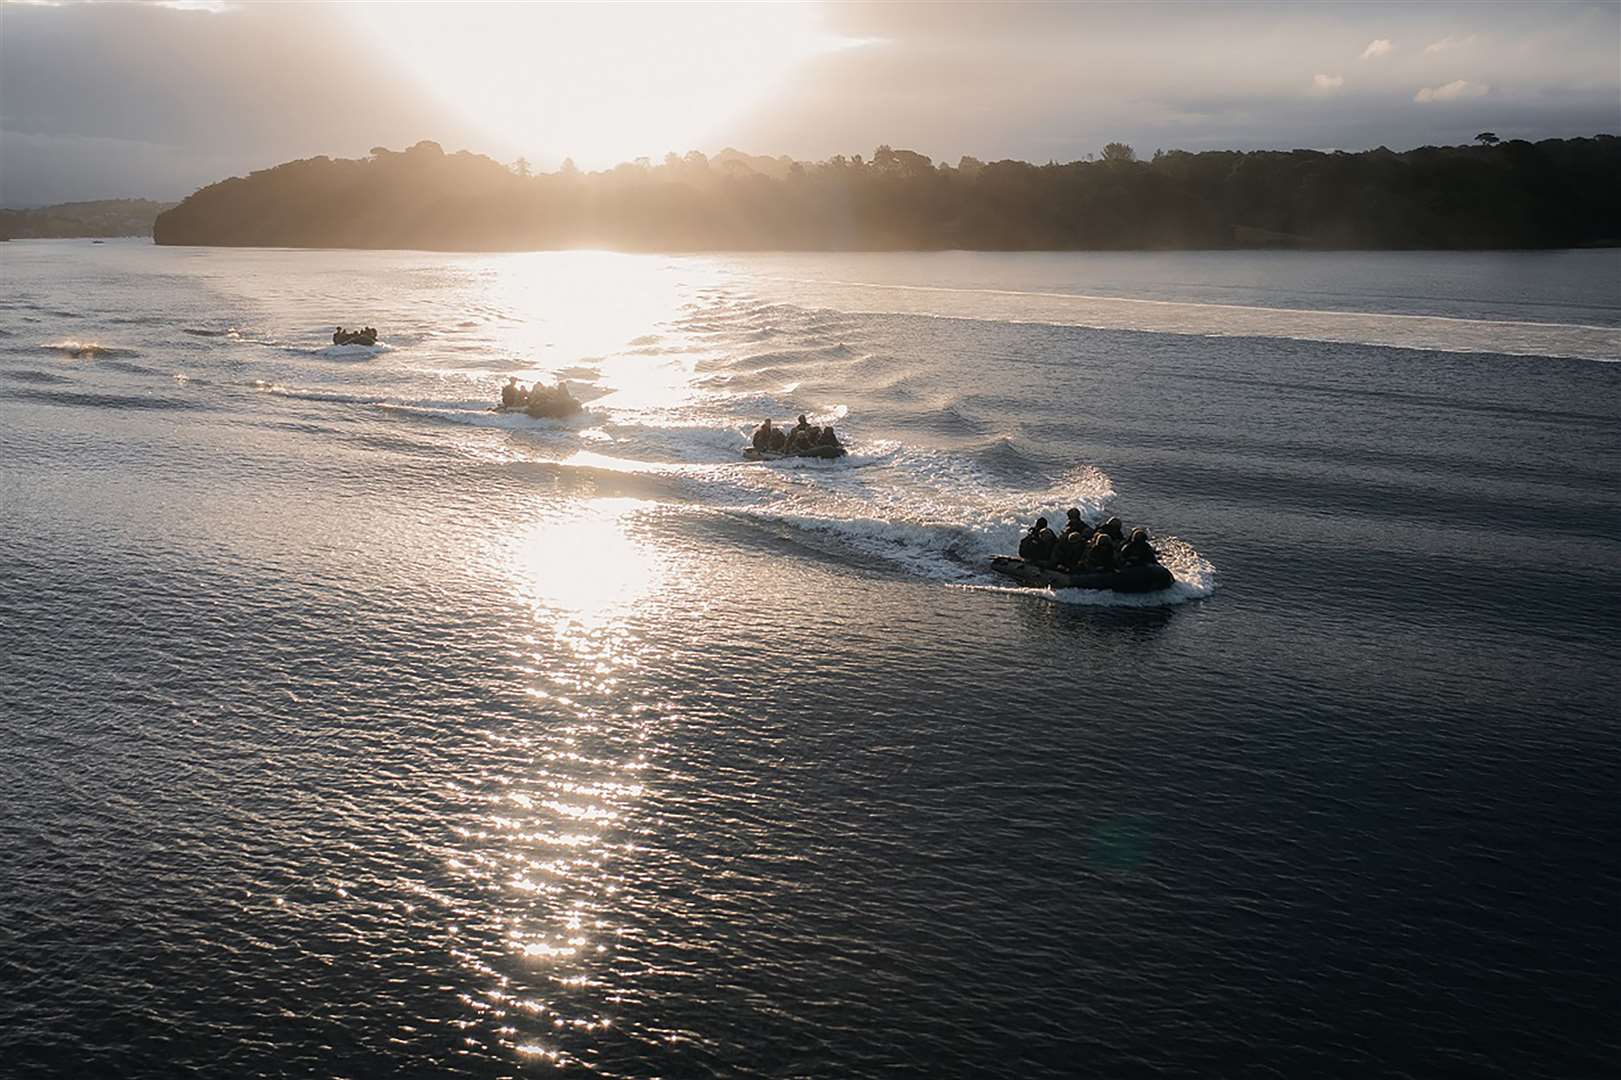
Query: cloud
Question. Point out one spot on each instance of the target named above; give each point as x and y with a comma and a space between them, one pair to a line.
1448, 43
1327, 82
1377, 47
1456, 90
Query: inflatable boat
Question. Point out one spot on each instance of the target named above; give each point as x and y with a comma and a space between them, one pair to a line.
545, 403
1144, 577
751, 453
545, 412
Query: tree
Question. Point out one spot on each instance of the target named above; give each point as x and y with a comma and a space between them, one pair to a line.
1119, 151
1488, 138
900, 162
521, 167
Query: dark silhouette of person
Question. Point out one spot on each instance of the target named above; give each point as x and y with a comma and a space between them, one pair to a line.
800, 437
1100, 553
1138, 551
1075, 526
1037, 545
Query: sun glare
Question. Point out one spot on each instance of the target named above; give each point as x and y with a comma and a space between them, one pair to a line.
585, 565
599, 83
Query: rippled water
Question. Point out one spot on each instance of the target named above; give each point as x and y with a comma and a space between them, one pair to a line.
354, 730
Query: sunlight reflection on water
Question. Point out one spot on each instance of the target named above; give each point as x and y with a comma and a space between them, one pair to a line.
553, 307
545, 848
586, 564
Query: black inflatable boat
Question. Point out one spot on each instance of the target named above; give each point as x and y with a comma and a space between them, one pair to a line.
546, 403
752, 454
1145, 577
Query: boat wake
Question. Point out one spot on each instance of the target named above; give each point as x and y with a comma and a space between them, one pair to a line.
958, 488
86, 350
482, 416
1437, 333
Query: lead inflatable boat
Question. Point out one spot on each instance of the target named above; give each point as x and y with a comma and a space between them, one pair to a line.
1144, 577
752, 454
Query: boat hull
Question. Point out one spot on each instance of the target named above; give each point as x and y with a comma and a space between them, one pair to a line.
552, 409
1148, 577
752, 454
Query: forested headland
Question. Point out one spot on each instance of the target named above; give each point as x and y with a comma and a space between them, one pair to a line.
1513, 194
103, 217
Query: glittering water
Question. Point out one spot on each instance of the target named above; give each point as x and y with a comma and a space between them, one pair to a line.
351, 729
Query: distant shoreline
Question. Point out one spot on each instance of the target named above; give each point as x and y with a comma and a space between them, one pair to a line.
1558, 193
97, 219
1514, 195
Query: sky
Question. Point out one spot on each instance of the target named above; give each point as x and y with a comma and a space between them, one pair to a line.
102, 100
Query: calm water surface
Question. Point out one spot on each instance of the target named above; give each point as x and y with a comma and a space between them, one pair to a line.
353, 730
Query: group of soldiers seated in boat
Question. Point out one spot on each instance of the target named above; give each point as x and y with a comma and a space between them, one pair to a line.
803, 438
365, 336
539, 400
1083, 549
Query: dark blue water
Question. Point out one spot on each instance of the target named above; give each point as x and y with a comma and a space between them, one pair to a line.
353, 731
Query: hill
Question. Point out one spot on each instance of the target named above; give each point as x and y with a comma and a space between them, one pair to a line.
104, 217
1555, 193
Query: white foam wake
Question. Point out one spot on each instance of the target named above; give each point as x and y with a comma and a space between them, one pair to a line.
85, 350
1439, 333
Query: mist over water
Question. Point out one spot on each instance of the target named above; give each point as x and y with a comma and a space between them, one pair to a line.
353, 728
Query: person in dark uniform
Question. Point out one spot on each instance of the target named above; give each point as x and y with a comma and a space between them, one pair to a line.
1100, 553
1038, 544
1075, 526
1138, 551
1071, 551
800, 437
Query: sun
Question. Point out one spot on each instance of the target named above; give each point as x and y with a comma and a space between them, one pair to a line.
600, 84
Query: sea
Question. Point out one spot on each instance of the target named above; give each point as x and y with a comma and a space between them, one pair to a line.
349, 728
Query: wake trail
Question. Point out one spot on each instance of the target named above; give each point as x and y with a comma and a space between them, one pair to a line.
1098, 298
1397, 330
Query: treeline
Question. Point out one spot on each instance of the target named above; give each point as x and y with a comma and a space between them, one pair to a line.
103, 217
1555, 193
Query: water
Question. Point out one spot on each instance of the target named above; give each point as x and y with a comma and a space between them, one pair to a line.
354, 730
